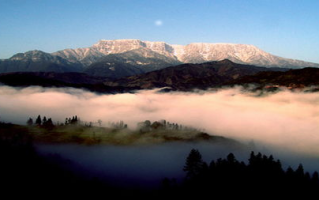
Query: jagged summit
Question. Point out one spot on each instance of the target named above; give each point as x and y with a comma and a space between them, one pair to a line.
191, 53
144, 56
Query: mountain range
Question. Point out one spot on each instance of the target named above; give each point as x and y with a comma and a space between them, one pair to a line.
184, 77
120, 58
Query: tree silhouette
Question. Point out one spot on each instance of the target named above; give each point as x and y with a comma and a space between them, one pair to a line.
48, 124
300, 171
38, 121
315, 178
231, 158
44, 120
157, 125
30, 122
194, 163
230, 178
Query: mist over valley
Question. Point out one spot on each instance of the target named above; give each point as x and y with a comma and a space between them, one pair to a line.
285, 118
182, 99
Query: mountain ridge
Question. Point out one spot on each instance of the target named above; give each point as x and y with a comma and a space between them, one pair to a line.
134, 56
133, 62
35, 60
190, 53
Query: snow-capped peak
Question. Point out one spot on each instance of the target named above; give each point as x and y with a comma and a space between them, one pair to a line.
191, 53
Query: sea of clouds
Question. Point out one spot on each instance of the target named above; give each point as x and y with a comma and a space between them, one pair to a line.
285, 119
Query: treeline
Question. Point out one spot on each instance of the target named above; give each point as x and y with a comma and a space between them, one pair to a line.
41, 122
48, 123
74, 120
143, 127
263, 176
148, 126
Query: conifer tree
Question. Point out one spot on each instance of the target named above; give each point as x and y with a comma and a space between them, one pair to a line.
44, 120
30, 122
38, 121
194, 163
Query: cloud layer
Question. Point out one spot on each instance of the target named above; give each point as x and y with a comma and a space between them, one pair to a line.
289, 120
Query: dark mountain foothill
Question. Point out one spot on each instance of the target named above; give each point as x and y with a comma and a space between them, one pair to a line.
185, 77
291, 79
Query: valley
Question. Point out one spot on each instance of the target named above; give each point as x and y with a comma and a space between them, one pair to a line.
159, 99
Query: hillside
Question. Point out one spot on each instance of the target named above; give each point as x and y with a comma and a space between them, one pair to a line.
191, 76
185, 77
298, 78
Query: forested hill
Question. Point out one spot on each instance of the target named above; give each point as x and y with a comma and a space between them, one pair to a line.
184, 77
262, 176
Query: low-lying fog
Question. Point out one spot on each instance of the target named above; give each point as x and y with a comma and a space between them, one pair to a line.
283, 122
134, 166
145, 166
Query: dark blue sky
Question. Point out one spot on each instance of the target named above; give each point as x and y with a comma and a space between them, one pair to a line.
287, 28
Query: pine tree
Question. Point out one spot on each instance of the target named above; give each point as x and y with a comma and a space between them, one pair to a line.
194, 163
49, 123
252, 158
38, 121
30, 122
231, 158
76, 120
300, 171
315, 177
44, 120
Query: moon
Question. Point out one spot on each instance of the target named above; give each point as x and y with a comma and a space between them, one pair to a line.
158, 22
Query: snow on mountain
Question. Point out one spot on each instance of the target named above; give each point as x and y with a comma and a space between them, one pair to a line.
191, 53
136, 61
33, 61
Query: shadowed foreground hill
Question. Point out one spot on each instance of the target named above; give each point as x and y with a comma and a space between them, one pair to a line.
26, 174
23, 173
263, 176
